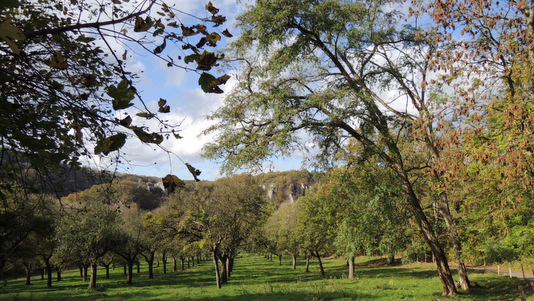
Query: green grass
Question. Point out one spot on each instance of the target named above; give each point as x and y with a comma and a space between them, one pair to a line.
256, 278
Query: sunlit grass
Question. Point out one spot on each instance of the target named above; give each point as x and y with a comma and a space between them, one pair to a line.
257, 278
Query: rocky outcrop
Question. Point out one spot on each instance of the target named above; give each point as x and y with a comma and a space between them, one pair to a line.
288, 186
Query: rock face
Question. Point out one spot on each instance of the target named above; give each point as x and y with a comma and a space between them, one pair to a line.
288, 186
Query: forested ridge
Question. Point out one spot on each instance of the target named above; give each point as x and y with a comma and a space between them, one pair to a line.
417, 115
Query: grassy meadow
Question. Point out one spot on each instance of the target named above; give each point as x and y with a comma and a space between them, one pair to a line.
257, 278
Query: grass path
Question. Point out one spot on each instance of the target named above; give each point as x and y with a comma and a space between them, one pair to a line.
256, 278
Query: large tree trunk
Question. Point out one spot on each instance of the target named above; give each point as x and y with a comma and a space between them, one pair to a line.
351, 266
94, 268
294, 255
444, 272
216, 263
456, 243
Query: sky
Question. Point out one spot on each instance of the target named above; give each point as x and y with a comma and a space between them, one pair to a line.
189, 107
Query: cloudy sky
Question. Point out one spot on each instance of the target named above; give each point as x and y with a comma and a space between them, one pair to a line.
189, 106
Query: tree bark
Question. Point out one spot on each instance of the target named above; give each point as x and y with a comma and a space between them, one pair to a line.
444, 272
216, 263
130, 272
321, 268
174, 265
28, 269
107, 271
164, 261
455, 238
182, 259
280, 259
350, 260
138, 264
58, 274
94, 268
308, 263
224, 270
48, 273
125, 270
294, 261
85, 268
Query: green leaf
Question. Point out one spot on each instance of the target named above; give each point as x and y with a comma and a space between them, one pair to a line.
163, 108
191, 58
226, 33
160, 48
126, 121
109, 144
143, 24
195, 172
121, 94
205, 81
145, 137
9, 33
146, 115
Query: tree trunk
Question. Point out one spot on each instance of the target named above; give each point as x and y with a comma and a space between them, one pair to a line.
391, 258
224, 271
294, 261
216, 263
182, 259
193, 260
444, 272
138, 264
228, 267
85, 268
164, 260
28, 269
48, 273
150, 261
280, 259
188, 262
351, 267
94, 268
321, 268
308, 263
130, 272
231, 267
198, 259
42, 270
125, 270
456, 243
107, 271
58, 274
174, 265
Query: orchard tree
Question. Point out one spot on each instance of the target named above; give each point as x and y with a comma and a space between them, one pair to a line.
87, 233
281, 231
326, 68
